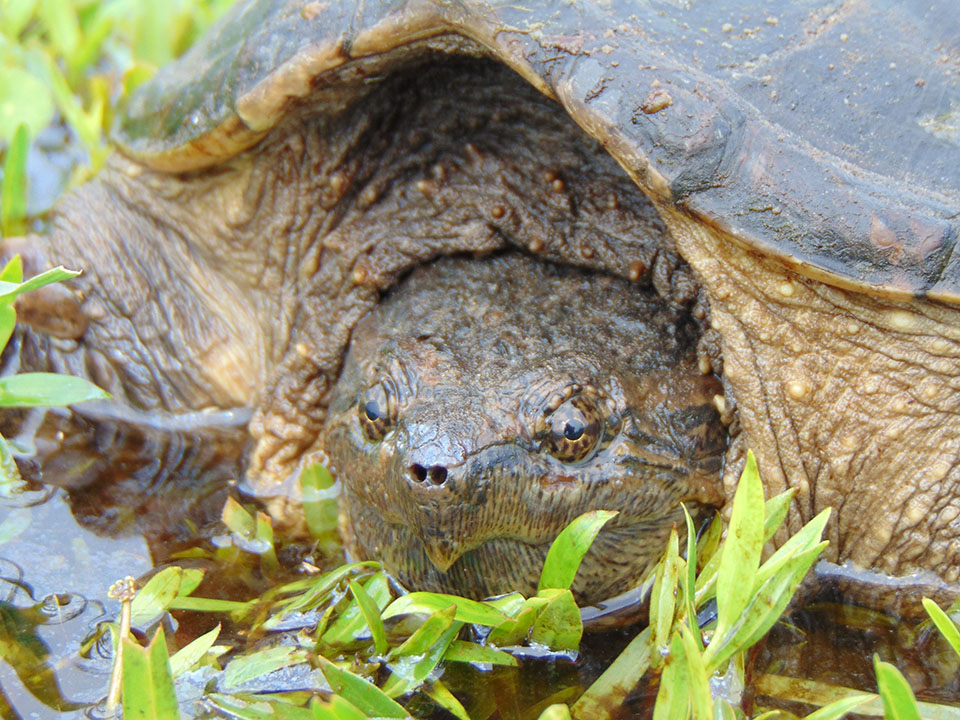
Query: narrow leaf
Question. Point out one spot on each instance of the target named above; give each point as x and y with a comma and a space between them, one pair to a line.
839, 708
740, 556
439, 693
775, 512
700, 699
946, 626
10, 290
469, 611
663, 599
555, 712
189, 655
899, 702
248, 667
319, 492
567, 551
366, 696
336, 708
463, 651
154, 598
428, 634
559, 625
371, 613
13, 189
47, 390
610, 690
673, 696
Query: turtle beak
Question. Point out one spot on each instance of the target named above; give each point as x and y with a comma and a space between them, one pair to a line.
443, 552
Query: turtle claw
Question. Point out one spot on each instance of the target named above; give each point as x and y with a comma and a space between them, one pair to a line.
54, 310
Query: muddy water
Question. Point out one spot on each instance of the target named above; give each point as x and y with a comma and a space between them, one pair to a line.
113, 498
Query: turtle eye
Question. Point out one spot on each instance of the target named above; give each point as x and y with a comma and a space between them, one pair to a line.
378, 411
573, 430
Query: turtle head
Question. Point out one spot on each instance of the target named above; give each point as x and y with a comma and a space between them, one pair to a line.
485, 404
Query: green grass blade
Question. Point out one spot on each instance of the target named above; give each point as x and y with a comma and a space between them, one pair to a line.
673, 696
47, 390
567, 551
690, 579
555, 712
701, 701
464, 651
839, 708
946, 626
371, 614
808, 537
336, 708
13, 190
190, 654
559, 625
319, 491
9, 291
740, 556
775, 512
468, 611
148, 692
663, 599
155, 598
439, 693
427, 635
409, 673
366, 696
899, 702
248, 667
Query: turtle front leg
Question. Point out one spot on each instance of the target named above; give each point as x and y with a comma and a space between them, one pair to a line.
850, 399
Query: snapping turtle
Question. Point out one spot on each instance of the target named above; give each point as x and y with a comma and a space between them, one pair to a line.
790, 175
486, 403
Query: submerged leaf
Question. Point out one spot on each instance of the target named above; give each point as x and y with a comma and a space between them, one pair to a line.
366, 696
469, 611
13, 188
189, 655
946, 626
248, 667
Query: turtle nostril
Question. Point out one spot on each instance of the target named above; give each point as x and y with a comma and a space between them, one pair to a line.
418, 473
438, 475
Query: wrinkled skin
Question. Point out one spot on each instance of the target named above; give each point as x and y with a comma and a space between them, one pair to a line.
486, 403
238, 287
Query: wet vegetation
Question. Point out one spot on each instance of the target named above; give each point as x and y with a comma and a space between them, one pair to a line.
242, 622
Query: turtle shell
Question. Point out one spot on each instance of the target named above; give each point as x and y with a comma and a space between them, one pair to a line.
826, 134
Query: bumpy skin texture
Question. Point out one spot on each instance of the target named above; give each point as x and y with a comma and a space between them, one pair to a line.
486, 403
318, 157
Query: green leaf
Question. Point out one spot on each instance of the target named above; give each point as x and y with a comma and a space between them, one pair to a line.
690, 578
808, 537
463, 651
839, 708
899, 702
439, 693
513, 631
8, 321
371, 614
673, 696
247, 667
366, 696
13, 188
700, 698
351, 622
60, 19
210, 605
264, 533
336, 708
946, 626
319, 493
9, 291
555, 712
468, 611
775, 512
13, 271
148, 691
192, 653
409, 673
663, 599
428, 634
559, 625
722, 710
313, 591
189, 581
242, 706
740, 556
764, 610
155, 598
237, 519
567, 551
47, 390
14, 15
